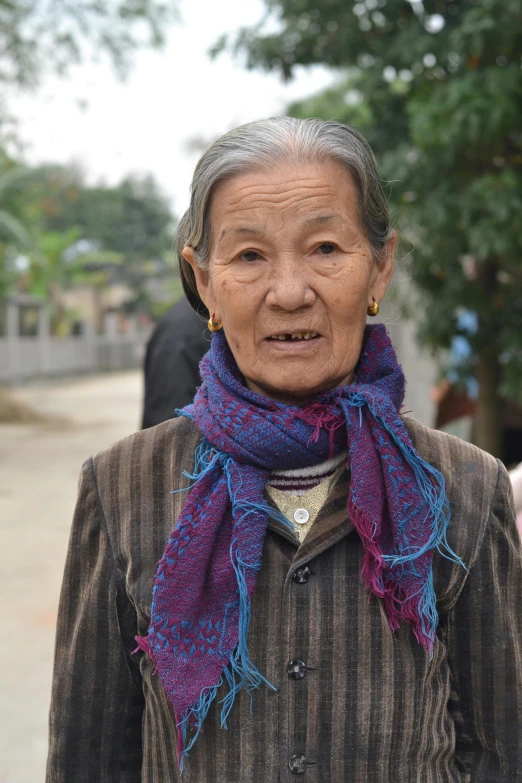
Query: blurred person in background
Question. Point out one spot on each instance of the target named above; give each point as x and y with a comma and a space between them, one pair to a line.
290, 559
171, 365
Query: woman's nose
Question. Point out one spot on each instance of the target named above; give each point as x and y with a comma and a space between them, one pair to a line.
289, 286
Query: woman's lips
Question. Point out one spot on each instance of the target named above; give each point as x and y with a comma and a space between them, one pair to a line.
295, 335
294, 345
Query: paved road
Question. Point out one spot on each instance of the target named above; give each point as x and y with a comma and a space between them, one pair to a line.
39, 468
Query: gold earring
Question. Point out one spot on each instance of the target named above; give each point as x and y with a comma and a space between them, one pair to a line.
214, 326
373, 309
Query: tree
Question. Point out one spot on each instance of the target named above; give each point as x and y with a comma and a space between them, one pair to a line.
126, 230
133, 219
51, 35
14, 231
436, 88
51, 273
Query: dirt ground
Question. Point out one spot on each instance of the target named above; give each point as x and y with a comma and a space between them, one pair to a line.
39, 468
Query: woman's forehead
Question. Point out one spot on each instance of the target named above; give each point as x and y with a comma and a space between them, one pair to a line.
316, 192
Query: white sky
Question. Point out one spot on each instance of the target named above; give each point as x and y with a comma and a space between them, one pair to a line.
170, 96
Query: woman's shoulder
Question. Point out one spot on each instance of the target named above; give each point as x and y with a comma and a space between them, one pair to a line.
146, 460
473, 480
173, 437
451, 455
137, 481
471, 475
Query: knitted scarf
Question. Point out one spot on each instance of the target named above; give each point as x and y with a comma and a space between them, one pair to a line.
206, 578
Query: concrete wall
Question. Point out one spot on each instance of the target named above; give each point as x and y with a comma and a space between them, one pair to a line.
43, 356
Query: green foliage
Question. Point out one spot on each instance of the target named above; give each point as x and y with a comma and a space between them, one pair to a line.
41, 36
14, 230
73, 233
133, 218
436, 88
50, 271
50, 274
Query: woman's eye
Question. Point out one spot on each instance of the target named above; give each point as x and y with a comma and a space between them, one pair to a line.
249, 255
327, 248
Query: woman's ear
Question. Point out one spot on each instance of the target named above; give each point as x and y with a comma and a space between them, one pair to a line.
201, 275
383, 270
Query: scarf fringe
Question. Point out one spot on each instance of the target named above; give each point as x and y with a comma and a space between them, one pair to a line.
239, 673
249, 507
419, 609
205, 458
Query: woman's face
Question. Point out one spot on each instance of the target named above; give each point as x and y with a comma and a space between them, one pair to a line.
291, 275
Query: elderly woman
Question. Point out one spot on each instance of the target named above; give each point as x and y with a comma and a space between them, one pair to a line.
318, 586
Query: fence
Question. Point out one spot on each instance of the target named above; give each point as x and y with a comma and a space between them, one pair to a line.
39, 355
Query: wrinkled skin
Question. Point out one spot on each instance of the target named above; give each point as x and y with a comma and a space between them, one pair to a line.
289, 255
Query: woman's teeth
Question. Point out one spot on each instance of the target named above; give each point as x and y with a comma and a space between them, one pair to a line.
295, 336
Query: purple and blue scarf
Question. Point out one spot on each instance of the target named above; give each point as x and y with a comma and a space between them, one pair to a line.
198, 636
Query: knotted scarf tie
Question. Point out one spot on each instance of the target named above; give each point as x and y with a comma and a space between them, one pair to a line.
198, 635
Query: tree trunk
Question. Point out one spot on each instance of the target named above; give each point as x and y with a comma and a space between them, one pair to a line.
488, 420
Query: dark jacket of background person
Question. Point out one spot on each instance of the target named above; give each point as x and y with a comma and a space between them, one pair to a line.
174, 351
371, 706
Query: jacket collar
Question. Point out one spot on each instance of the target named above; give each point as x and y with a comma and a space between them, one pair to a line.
331, 525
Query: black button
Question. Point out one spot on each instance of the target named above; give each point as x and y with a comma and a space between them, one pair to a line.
302, 575
296, 669
297, 763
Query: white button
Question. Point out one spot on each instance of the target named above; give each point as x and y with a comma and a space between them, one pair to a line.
301, 516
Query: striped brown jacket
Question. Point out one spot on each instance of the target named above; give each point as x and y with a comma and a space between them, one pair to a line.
370, 708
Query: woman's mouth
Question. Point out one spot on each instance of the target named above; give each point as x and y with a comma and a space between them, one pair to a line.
294, 336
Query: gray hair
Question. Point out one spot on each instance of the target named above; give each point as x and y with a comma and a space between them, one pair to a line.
266, 143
